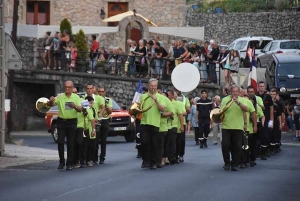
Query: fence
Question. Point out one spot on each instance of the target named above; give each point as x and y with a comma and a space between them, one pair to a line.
115, 64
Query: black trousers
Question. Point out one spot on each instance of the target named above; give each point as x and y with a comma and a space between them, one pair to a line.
196, 130
78, 146
150, 144
203, 128
66, 129
167, 144
103, 136
182, 144
161, 145
88, 148
172, 143
253, 146
275, 134
232, 143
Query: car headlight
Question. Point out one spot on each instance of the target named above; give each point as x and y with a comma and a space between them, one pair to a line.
282, 89
132, 120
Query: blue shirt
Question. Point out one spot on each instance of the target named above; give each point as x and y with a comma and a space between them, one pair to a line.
192, 116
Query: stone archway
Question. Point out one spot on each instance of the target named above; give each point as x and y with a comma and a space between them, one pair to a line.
125, 28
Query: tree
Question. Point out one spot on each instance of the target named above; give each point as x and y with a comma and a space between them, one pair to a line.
81, 45
66, 25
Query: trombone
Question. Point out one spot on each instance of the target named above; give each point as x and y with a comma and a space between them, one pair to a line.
42, 104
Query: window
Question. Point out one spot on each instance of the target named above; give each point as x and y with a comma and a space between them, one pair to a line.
240, 45
290, 45
286, 69
115, 8
38, 12
267, 47
274, 46
258, 44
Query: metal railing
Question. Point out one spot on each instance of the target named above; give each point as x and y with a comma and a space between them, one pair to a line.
134, 66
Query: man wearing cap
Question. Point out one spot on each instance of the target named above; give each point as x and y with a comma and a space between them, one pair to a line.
104, 123
68, 105
187, 106
89, 132
98, 106
151, 123
194, 47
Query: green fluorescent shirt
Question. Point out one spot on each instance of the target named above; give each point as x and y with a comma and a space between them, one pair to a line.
64, 111
181, 110
176, 113
251, 109
98, 102
259, 101
233, 117
90, 112
152, 116
186, 103
88, 118
165, 122
260, 113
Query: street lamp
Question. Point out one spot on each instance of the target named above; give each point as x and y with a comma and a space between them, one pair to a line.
102, 13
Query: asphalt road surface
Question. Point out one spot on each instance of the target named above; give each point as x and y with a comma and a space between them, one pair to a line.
200, 177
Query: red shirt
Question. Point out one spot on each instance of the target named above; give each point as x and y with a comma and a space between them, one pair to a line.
95, 46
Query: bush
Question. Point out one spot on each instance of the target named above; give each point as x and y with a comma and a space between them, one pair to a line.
81, 45
66, 25
101, 63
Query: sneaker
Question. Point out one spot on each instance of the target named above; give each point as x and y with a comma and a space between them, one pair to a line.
89, 72
181, 160
61, 166
296, 138
77, 166
90, 164
101, 161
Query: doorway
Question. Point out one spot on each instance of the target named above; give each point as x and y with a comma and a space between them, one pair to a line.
115, 8
135, 35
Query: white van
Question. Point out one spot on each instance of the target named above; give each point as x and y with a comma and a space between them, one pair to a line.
241, 44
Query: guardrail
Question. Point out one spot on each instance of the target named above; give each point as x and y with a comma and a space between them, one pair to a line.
114, 64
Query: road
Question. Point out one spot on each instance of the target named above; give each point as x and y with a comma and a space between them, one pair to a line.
200, 177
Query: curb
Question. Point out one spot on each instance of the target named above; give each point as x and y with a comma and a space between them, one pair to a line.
23, 161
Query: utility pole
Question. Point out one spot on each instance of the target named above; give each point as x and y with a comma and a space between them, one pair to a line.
15, 23
2, 79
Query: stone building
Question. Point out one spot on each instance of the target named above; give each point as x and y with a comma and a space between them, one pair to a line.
51, 12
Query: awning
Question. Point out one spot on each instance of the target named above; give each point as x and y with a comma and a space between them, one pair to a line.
119, 17
189, 32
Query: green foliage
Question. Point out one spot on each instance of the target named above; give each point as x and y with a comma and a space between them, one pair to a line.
66, 25
101, 63
81, 45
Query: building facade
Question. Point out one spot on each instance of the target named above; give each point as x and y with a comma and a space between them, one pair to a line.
87, 13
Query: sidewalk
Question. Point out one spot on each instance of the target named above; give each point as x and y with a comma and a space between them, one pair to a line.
21, 155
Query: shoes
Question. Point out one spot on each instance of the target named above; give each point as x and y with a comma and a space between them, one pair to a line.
201, 145
181, 160
61, 166
77, 166
242, 166
139, 155
83, 166
233, 168
263, 157
90, 164
205, 144
252, 164
124, 75
101, 161
153, 167
215, 143
96, 162
167, 162
145, 165
226, 166
159, 165
89, 72
69, 167
296, 138
197, 143
174, 161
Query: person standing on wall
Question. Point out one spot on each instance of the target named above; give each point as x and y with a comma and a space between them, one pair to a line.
68, 105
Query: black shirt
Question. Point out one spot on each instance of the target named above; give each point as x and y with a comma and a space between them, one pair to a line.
204, 107
268, 102
194, 49
278, 110
215, 55
161, 50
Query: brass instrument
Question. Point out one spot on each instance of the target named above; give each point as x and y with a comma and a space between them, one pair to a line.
137, 108
105, 113
42, 104
245, 141
217, 116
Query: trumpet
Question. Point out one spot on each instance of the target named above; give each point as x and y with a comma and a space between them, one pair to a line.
245, 139
42, 104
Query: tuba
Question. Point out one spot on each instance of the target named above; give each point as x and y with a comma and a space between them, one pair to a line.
217, 116
137, 108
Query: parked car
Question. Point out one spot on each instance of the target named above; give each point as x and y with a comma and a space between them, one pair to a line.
276, 47
283, 72
121, 123
241, 44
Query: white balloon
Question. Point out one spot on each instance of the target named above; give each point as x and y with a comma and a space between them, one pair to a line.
185, 77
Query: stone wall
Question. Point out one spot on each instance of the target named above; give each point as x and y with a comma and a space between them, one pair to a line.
225, 28
31, 85
87, 13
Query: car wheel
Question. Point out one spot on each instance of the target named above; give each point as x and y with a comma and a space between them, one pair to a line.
258, 63
54, 133
130, 137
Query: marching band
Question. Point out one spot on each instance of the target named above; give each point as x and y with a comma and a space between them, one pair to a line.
250, 125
